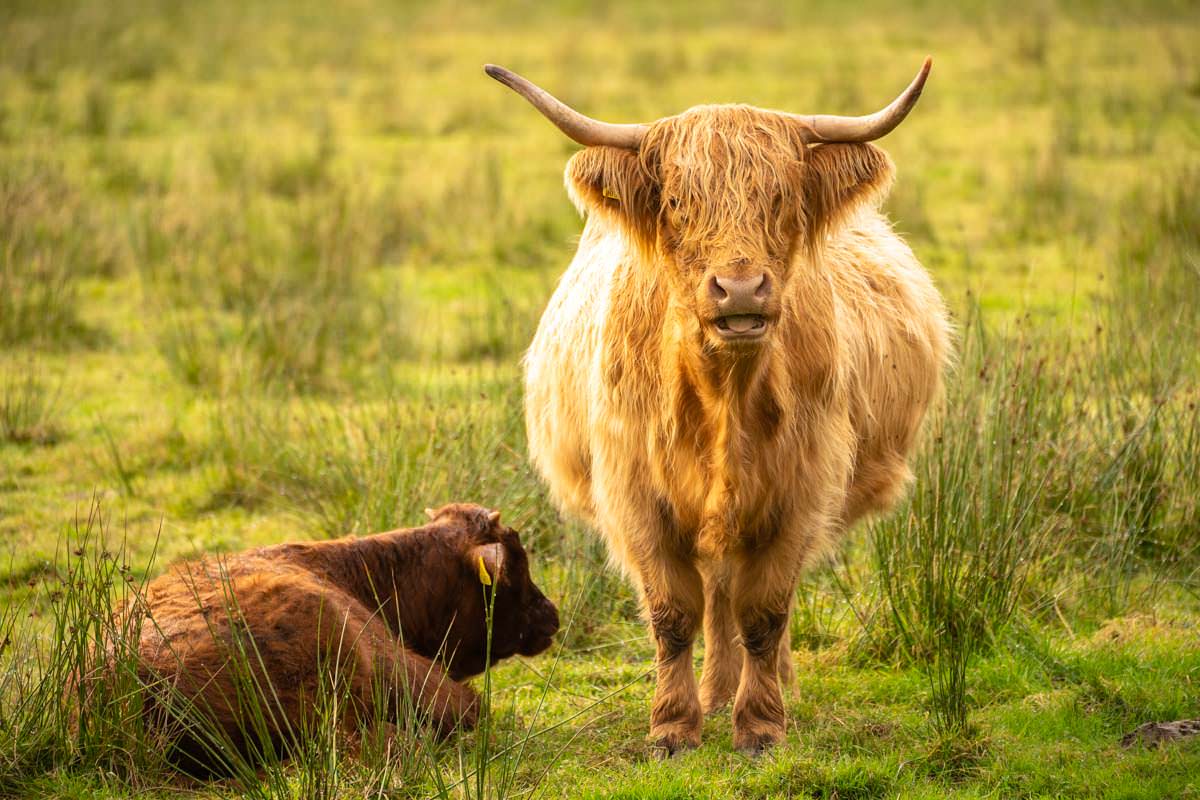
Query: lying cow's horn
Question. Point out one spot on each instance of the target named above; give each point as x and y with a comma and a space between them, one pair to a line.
830, 128
585, 130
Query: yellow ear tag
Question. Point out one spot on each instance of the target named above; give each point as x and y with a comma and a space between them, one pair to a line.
610, 194
484, 578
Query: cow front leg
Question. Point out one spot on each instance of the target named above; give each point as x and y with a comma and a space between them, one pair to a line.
761, 596
674, 599
411, 687
417, 690
444, 703
722, 653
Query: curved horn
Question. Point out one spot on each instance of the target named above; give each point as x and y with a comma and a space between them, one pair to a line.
585, 130
830, 128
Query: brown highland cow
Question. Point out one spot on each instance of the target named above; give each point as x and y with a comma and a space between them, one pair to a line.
732, 371
395, 620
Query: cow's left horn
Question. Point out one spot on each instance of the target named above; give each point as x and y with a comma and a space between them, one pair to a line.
585, 130
829, 128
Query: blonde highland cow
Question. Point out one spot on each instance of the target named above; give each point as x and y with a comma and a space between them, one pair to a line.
733, 370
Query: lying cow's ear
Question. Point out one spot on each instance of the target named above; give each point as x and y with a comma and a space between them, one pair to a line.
616, 183
840, 178
487, 560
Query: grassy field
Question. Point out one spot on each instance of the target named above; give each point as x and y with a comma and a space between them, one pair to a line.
267, 270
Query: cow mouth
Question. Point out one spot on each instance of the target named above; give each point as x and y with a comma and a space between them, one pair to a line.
535, 641
741, 326
536, 644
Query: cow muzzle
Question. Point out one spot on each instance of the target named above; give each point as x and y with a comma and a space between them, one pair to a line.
741, 306
541, 625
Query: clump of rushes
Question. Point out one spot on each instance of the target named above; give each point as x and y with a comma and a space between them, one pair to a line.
29, 403
58, 712
49, 239
951, 566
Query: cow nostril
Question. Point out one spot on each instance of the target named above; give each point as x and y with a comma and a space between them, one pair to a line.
740, 295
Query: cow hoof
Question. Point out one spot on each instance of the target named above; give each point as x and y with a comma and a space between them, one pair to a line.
753, 750
753, 745
666, 745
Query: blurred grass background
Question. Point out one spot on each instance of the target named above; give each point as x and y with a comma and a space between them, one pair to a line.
267, 270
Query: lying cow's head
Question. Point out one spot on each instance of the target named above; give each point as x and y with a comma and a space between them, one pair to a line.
524, 620
724, 196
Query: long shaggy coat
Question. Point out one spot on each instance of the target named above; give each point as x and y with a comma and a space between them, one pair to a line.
717, 470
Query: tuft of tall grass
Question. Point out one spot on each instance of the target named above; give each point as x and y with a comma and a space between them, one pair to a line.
38, 292
68, 688
50, 238
952, 565
1158, 263
30, 403
37, 300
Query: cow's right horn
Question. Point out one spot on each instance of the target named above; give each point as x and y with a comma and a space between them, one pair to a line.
585, 130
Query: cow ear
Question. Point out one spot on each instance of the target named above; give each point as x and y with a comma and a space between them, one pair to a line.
615, 183
841, 178
487, 561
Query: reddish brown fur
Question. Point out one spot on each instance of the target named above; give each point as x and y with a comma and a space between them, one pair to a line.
403, 611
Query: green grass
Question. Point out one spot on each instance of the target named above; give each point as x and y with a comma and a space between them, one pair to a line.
267, 270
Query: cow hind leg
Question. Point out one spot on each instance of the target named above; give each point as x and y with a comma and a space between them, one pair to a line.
722, 652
